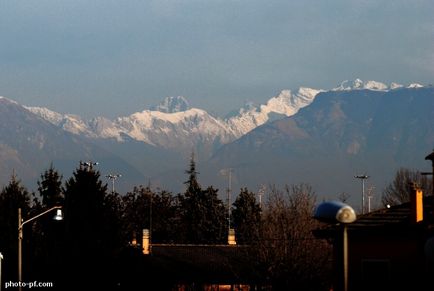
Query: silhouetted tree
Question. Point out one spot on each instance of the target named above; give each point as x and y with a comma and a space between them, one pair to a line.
12, 197
193, 186
165, 222
202, 214
398, 191
47, 233
50, 188
214, 222
246, 217
136, 212
92, 231
290, 255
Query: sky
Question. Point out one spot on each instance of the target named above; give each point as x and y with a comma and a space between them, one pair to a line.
112, 58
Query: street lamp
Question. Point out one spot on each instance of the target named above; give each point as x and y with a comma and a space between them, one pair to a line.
363, 178
338, 212
113, 177
89, 164
58, 216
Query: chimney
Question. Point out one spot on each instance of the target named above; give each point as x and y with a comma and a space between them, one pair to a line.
231, 237
146, 245
416, 203
134, 240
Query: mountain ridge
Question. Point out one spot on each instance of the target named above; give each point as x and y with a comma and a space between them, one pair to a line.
339, 127
173, 117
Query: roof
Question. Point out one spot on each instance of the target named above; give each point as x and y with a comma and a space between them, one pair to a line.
391, 218
397, 214
209, 263
430, 156
204, 264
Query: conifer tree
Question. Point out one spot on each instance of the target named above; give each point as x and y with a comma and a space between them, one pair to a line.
50, 188
92, 231
47, 234
246, 217
202, 213
193, 186
213, 222
144, 209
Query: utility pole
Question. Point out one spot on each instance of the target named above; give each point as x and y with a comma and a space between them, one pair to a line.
261, 192
229, 198
370, 189
228, 172
363, 178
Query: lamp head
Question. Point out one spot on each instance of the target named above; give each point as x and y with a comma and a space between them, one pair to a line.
334, 212
59, 215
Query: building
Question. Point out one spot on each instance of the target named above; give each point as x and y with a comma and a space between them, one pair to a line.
388, 249
191, 267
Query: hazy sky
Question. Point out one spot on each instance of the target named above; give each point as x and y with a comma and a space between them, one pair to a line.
113, 58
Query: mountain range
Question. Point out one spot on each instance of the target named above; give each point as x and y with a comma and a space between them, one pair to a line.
321, 137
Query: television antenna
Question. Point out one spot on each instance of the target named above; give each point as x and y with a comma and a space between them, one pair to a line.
228, 172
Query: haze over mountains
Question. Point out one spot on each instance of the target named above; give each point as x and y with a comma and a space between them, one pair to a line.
321, 137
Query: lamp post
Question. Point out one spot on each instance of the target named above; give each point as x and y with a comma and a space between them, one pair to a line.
1, 259
89, 164
113, 177
363, 178
21, 223
338, 212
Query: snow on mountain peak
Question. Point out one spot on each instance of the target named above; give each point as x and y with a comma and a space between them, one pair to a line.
172, 124
8, 100
415, 85
172, 104
358, 84
69, 122
285, 103
374, 85
394, 86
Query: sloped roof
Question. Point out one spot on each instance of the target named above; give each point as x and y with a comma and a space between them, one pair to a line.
207, 263
397, 214
393, 219
190, 264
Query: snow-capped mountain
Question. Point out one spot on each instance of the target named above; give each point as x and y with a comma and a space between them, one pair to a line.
178, 130
341, 133
172, 105
358, 84
285, 104
68, 122
174, 125
29, 144
269, 141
